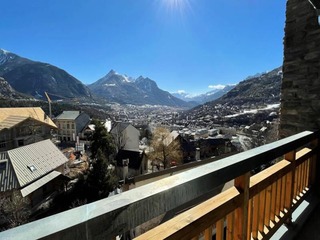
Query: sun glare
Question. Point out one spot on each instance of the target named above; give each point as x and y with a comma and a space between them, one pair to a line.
177, 5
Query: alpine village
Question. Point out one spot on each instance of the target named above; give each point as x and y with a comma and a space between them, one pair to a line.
123, 159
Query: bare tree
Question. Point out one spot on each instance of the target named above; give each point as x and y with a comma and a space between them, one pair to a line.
120, 137
166, 147
15, 209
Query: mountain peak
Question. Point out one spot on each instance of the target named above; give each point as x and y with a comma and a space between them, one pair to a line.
4, 56
123, 89
3, 51
141, 78
111, 72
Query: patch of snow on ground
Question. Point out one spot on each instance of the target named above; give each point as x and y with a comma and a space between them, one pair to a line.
268, 107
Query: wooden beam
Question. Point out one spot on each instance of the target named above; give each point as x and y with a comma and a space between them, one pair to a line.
273, 201
255, 220
230, 226
265, 178
220, 229
278, 197
268, 203
262, 200
195, 220
283, 192
208, 233
250, 217
308, 172
315, 175
290, 180
241, 214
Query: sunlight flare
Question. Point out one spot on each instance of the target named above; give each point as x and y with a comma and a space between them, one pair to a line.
177, 5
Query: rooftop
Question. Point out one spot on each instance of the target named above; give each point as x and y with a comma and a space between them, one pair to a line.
9, 117
32, 161
68, 115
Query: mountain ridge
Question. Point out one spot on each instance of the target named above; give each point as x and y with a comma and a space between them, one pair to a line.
122, 89
34, 77
260, 90
204, 97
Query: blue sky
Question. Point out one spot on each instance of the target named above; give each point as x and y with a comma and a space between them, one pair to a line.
181, 44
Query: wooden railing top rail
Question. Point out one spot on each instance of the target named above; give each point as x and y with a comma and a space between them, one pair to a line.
107, 218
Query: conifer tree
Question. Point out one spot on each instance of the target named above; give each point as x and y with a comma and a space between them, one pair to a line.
101, 178
102, 140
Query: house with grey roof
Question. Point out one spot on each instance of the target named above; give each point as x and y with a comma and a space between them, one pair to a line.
36, 170
130, 164
126, 136
71, 124
23, 126
130, 160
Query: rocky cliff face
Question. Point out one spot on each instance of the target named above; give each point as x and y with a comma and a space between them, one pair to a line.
7, 92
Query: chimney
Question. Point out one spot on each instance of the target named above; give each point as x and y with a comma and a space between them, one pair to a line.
197, 154
125, 171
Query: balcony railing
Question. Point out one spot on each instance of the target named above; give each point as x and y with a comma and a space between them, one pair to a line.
255, 207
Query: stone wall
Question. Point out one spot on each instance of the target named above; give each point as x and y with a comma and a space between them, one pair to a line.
300, 93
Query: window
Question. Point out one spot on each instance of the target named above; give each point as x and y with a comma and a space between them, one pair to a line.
3, 165
32, 168
2, 144
20, 142
68, 126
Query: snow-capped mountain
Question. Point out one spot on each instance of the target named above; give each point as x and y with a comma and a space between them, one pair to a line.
205, 97
35, 78
120, 88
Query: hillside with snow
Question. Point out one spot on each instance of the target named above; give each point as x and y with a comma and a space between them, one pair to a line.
122, 89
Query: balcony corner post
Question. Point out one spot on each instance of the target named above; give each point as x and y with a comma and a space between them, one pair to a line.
316, 180
242, 183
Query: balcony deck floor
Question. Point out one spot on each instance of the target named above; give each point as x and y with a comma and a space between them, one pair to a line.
311, 228
305, 221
